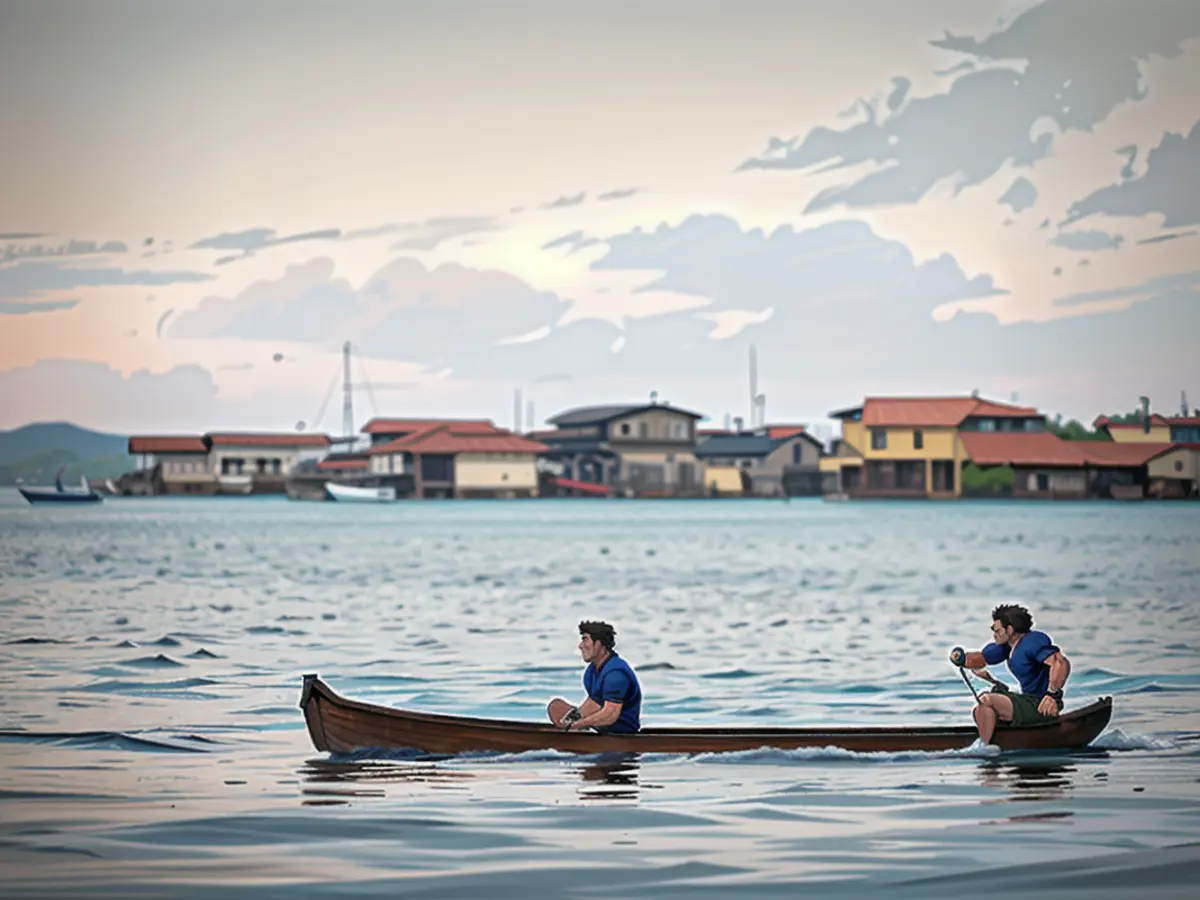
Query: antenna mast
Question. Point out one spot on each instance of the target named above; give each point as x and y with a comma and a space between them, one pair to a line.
347, 394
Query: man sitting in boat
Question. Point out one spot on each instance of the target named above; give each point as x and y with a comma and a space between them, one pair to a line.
614, 698
1039, 666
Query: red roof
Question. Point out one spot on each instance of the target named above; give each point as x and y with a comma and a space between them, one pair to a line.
1014, 448
1043, 448
775, 432
1109, 454
410, 426
946, 412
168, 444
711, 432
450, 437
274, 439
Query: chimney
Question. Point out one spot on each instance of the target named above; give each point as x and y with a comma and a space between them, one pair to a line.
1145, 401
737, 424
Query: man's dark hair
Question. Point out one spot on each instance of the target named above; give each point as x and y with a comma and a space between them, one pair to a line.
1016, 616
599, 631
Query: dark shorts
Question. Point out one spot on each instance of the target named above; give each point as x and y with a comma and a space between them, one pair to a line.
1025, 710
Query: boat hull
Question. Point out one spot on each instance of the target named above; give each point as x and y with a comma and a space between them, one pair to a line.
347, 493
53, 495
339, 725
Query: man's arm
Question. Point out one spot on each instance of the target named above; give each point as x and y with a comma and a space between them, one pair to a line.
599, 716
587, 707
1060, 671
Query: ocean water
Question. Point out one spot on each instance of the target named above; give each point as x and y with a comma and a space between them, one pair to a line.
151, 652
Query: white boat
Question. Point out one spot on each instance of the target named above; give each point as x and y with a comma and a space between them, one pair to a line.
353, 494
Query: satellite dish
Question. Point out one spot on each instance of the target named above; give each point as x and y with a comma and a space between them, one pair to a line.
299, 426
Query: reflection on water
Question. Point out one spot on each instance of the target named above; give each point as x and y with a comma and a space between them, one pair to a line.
610, 779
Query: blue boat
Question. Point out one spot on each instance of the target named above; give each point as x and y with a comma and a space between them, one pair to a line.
60, 493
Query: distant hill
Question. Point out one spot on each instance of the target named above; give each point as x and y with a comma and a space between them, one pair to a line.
34, 453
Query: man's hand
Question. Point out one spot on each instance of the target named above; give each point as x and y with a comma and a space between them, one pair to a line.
958, 656
1048, 706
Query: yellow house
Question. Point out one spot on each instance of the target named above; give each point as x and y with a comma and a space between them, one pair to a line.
911, 446
1156, 431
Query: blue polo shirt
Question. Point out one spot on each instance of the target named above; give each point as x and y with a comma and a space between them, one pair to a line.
616, 681
1027, 661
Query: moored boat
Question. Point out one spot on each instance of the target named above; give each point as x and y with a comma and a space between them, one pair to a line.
339, 725
53, 495
356, 494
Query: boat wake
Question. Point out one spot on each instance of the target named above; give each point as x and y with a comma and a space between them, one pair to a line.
1116, 739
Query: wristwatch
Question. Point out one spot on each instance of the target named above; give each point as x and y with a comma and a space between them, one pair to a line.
1056, 696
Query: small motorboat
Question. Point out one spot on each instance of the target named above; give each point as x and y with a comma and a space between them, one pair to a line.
339, 725
355, 494
60, 493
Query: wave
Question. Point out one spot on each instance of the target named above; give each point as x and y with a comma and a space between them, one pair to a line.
111, 740
1116, 739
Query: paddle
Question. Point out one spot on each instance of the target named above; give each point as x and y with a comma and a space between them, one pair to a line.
958, 656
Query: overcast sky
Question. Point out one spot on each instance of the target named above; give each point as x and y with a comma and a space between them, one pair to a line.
591, 201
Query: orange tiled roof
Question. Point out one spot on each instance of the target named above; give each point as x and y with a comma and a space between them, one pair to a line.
946, 412
1113, 455
1015, 448
273, 439
776, 432
450, 437
168, 444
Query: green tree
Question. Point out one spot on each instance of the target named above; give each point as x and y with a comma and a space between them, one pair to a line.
995, 480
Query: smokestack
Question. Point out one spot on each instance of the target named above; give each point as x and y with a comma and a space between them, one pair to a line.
728, 422
517, 411
1145, 401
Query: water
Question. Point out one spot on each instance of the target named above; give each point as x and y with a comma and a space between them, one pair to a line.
152, 653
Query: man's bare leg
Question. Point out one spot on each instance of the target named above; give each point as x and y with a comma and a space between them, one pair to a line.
992, 707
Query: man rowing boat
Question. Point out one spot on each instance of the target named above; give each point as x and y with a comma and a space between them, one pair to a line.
1039, 666
614, 698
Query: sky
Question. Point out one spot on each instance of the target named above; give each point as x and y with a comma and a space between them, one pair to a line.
592, 201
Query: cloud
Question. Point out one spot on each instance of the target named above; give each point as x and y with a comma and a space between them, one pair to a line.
991, 117
619, 194
1020, 195
258, 238
71, 248
1162, 238
305, 304
23, 307
575, 241
564, 202
447, 316
1160, 286
29, 280
429, 234
1170, 185
1087, 240
93, 393
552, 378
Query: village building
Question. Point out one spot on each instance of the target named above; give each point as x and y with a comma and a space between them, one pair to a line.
642, 449
432, 458
218, 463
771, 461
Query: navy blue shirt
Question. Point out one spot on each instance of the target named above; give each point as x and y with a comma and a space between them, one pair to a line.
1027, 661
616, 681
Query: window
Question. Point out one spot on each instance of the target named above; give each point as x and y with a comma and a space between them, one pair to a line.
987, 424
797, 454
1035, 425
878, 438
624, 428
918, 440
1179, 465
643, 430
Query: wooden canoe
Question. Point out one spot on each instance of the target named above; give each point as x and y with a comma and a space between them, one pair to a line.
339, 725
